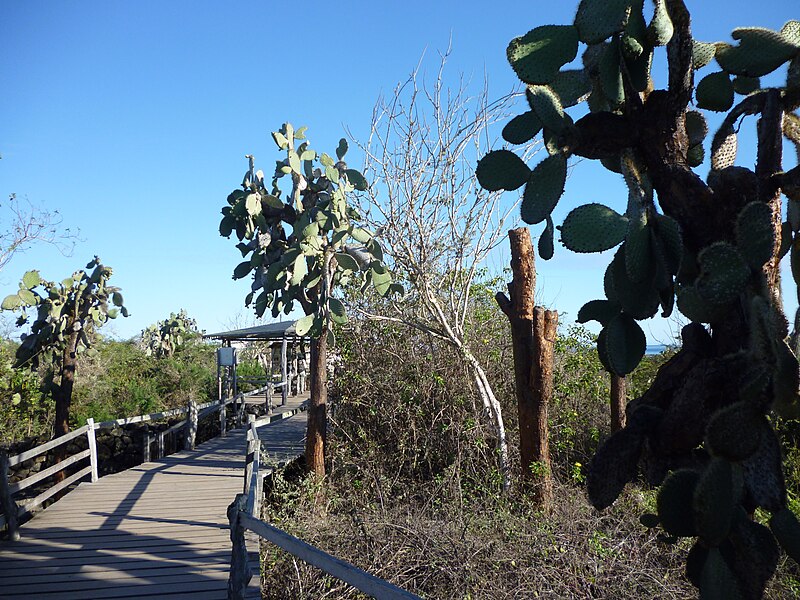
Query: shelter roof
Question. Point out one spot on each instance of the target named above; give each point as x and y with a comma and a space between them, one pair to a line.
271, 331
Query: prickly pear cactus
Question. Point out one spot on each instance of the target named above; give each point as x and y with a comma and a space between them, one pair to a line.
162, 339
300, 244
711, 248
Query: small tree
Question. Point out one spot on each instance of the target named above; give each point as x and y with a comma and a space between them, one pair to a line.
325, 249
713, 247
67, 315
162, 339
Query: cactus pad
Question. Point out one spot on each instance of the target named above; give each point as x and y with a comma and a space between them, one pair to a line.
572, 86
537, 56
660, 30
599, 19
502, 170
675, 500
755, 235
695, 308
723, 273
715, 92
696, 127
545, 243
638, 299
522, 128
614, 464
639, 261
763, 474
593, 228
723, 148
734, 432
544, 188
746, 85
786, 529
611, 74
760, 51
695, 155
625, 344
717, 580
601, 311
547, 107
716, 496
702, 54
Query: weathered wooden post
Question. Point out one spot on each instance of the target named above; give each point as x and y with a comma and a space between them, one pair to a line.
618, 393
268, 396
160, 445
248, 461
92, 448
191, 424
147, 440
223, 418
7, 502
239, 575
284, 372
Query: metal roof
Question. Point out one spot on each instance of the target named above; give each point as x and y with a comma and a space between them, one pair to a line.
271, 331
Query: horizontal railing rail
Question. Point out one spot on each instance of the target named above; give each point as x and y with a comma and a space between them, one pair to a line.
244, 515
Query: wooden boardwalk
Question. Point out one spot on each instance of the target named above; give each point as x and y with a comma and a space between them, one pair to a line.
159, 530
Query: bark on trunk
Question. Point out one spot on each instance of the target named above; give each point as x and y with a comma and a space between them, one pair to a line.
618, 401
533, 365
545, 325
62, 394
317, 410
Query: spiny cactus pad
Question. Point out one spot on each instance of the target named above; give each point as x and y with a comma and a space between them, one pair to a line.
522, 128
702, 54
502, 170
614, 464
734, 432
639, 260
571, 86
786, 529
695, 308
675, 501
599, 19
723, 148
593, 228
547, 107
601, 311
696, 127
544, 188
723, 273
755, 235
537, 56
611, 75
763, 474
746, 85
638, 299
716, 496
660, 30
715, 92
625, 344
717, 580
759, 52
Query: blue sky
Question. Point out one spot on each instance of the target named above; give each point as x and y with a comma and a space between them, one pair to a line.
133, 118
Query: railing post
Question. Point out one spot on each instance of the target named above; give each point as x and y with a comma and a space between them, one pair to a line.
268, 395
147, 440
248, 460
92, 447
9, 506
242, 409
239, 575
223, 419
191, 424
160, 450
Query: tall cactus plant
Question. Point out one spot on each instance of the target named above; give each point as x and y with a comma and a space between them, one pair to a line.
299, 247
162, 339
712, 247
67, 314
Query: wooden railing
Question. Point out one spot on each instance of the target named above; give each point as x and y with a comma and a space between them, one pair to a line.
244, 515
11, 512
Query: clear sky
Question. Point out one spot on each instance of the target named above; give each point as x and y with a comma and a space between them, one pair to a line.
133, 118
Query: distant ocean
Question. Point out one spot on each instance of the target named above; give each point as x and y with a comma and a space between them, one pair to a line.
655, 349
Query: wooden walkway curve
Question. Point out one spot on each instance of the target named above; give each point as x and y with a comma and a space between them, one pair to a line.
159, 530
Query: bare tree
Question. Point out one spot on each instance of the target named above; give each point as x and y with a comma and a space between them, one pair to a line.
436, 224
23, 224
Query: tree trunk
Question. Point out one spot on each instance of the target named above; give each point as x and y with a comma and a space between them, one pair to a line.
618, 391
533, 364
62, 394
545, 326
317, 410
